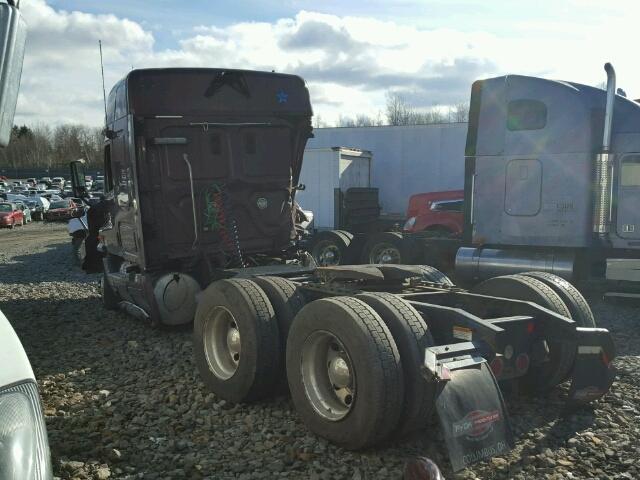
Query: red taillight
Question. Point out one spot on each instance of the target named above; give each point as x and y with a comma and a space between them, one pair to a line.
497, 366
522, 362
531, 327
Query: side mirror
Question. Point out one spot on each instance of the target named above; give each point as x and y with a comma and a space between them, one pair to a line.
78, 182
110, 134
12, 41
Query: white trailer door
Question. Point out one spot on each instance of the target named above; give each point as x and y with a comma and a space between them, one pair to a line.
355, 171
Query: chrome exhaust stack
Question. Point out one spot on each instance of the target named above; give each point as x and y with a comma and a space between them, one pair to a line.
603, 176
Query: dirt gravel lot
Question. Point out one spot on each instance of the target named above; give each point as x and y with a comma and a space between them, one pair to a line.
124, 401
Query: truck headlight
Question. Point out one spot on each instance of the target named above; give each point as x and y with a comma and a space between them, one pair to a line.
408, 225
24, 448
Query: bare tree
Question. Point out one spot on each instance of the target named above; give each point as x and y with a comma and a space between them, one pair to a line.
43, 147
459, 112
318, 122
344, 121
398, 111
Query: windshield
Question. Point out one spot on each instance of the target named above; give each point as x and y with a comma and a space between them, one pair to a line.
60, 204
5, 207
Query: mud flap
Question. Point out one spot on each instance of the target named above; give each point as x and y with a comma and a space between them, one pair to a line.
593, 372
469, 404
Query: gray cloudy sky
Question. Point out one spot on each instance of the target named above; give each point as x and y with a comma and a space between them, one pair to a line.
350, 52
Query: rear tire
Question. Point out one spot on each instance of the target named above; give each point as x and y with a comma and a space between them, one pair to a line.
412, 337
552, 372
578, 306
286, 301
78, 249
236, 341
330, 248
386, 247
110, 298
344, 372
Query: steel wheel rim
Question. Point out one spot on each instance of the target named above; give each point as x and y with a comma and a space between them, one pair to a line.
327, 253
385, 253
222, 345
328, 375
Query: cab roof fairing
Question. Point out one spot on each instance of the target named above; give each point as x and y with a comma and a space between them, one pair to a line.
247, 93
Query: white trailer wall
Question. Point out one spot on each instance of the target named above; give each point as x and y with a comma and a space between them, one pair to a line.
324, 170
406, 159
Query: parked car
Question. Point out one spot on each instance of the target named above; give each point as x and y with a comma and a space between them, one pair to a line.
31, 181
37, 210
61, 210
58, 182
45, 180
12, 197
21, 204
24, 447
4, 184
436, 213
17, 183
10, 215
97, 186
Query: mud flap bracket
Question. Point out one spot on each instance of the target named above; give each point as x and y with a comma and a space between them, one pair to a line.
469, 403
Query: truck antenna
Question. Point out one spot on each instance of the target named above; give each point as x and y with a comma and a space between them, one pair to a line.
104, 93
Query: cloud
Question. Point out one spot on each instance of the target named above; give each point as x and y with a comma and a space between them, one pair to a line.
349, 62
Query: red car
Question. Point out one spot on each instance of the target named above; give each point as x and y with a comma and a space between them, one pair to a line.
10, 215
60, 210
438, 213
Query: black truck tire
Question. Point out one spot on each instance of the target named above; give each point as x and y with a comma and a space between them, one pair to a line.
331, 247
347, 328
110, 298
570, 295
387, 247
432, 274
520, 287
285, 299
412, 337
78, 248
250, 371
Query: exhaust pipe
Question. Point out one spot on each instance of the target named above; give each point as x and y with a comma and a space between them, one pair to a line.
603, 176
608, 112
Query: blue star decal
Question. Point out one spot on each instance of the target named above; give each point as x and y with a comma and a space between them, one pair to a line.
282, 96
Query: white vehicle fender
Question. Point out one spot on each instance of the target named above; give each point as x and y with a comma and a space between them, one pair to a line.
77, 224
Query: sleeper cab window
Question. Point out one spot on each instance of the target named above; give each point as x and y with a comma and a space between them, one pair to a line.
526, 115
630, 171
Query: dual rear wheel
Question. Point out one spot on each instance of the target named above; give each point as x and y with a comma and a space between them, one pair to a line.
557, 295
352, 364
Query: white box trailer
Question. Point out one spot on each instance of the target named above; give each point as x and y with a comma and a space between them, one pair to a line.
409, 159
323, 171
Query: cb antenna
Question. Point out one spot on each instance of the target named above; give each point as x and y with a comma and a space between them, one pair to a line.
104, 93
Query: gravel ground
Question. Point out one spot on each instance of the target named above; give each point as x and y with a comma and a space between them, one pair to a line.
124, 401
